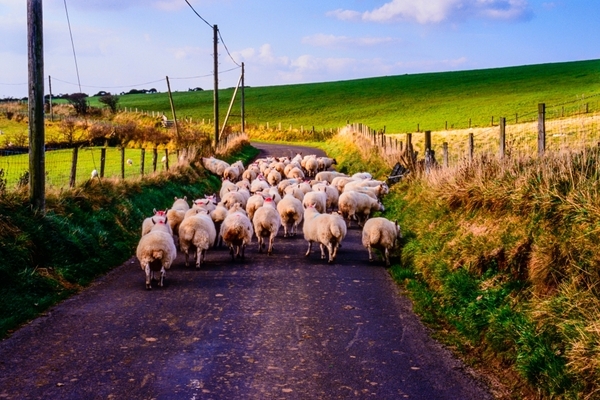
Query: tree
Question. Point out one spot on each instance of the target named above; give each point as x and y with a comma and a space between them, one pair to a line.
79, 102
111, 101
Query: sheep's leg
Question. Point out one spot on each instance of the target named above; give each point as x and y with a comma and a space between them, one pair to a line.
243, 251
335, 250
163, 273
323, 251
309, 248
370, 253
271, 238
331, 250
387, 257
231, 252
260, 243
198, 258
147, 271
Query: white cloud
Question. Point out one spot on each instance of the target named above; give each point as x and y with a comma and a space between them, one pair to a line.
323, 40
437, 11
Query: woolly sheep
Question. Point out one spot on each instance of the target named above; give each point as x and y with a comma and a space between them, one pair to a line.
266, 224
149, 222
259, 184
325, 163
316, 199
156, 252
227, 186
254, 202
326, 229
362, 183
197, 232
295, 173
231, 173
218, 216
291, 212
381, 234
340, 181
230, 198
331, 193
311, 166
328, 175
237, 231
177, 212
274, 177
356, 205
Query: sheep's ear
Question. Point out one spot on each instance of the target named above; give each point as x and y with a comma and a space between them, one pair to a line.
185, 197
154, 210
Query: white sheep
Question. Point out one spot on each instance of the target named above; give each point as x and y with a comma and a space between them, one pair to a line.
156, 252
316, 199
254, 203
149, 222
381, 234
266, 223
230, 198
328, 175
231, 173
176, 213
311, 165
227, 186
331, 192
358, 206
325, 162
197, 232
326, 229
218, 215
274, 177
236, 231
291, 212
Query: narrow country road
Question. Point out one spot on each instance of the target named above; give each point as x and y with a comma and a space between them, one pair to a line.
284, 326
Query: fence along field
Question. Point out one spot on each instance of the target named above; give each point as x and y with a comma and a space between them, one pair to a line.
567, 126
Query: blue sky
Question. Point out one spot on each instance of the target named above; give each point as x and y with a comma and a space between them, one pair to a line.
126, 44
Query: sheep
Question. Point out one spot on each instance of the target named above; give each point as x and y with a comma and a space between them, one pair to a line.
274, 177
295, 173
362, 183
267, 222
356, 205
331, 192
259, 184
325, 162
156, 252
311, 165
197, 232
328, 175
231, 198
177, 212
254, 202
227, 186
340, 181
214, 165
294, 191
326, 229
291, 212
316, 199
218, 216
362, 175
381, 234
289, 167
208, 202
231, 173
284, 183
236, 231
149, 222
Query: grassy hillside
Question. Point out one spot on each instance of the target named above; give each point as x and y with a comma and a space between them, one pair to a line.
399, 103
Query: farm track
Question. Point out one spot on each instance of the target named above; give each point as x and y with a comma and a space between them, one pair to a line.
269, 327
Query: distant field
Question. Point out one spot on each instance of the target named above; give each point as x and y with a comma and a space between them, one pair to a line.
58, 165
401, 104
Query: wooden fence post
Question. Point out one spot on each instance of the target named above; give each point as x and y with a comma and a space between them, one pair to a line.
122, 149
427, 141
471, 146
409, 141
445, 153
502, 143
541, 129
166, 159
154, 158
142, 158
73, 168
102, 161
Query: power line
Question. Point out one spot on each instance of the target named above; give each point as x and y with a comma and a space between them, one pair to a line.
227, 50
199, 16
72, 45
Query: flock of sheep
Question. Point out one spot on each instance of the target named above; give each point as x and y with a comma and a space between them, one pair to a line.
271, 193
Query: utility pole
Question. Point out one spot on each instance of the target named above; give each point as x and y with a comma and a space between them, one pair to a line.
35, 57
216, 93
173, 110
243, 104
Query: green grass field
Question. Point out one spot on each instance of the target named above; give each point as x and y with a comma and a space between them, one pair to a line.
402, 103
58, 165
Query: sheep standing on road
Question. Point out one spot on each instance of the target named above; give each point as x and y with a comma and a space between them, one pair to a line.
176, 213
149, 222
381, 234
291, 212
266, 224
156, 252
326, 229
197, 232
357, 206
237, 231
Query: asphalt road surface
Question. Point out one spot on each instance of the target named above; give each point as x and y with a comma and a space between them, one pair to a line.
284, 326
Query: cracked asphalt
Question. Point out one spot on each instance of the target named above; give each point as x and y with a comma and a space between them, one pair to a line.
284, 326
